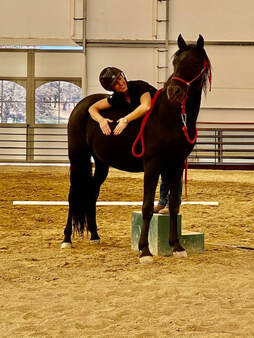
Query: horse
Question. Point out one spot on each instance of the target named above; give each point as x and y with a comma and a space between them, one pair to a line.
169, 136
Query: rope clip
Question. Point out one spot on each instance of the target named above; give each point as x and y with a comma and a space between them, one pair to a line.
184, 117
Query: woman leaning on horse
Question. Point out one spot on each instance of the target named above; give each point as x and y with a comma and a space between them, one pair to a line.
136, 96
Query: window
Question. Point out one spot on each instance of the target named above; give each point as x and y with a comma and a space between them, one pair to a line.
12, 102
55, 100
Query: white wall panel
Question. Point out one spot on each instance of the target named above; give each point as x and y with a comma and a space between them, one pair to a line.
226, 115
235, 62
29, 20
216, 20
137, 63
118, 19
231, 65
229, 97
232, 84
58, 64
13, 64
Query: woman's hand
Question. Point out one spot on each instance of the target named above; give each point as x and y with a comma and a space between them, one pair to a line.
104, 125
122, 124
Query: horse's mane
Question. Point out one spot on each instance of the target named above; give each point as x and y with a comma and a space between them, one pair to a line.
205, 58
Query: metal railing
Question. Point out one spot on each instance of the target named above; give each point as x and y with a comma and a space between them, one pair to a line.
223, 148
23, 143
215, 147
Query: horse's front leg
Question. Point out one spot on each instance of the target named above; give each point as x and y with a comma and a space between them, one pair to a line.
151, 177
174, 201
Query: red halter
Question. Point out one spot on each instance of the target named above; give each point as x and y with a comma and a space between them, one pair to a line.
183, 103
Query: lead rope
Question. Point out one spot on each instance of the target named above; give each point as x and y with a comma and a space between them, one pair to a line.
140, 134
185, 177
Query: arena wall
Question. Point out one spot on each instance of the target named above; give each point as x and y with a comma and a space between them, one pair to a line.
138, 36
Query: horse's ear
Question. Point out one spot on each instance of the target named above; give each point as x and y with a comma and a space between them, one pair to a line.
181, 43
200, 42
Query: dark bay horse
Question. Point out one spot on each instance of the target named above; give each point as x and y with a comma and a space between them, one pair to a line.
166, 147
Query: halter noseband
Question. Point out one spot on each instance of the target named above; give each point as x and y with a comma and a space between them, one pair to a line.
206, 65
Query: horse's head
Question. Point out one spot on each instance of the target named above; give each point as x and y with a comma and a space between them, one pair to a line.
191, 69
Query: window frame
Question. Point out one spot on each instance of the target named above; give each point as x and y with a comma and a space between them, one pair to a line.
17, 80
39, 81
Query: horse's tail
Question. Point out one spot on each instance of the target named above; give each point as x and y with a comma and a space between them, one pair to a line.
80, 191
81, 180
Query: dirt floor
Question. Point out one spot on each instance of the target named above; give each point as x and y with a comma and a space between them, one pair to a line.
103, 291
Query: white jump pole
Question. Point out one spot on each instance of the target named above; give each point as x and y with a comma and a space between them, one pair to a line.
101, 203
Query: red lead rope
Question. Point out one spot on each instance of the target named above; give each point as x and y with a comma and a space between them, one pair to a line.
140, 134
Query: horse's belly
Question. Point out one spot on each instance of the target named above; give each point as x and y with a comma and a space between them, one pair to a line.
131, 166
119, 160
116, 152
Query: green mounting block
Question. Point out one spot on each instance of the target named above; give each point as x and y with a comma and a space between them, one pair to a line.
193, 242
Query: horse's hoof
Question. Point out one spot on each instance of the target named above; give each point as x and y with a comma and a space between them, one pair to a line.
146, 259
65, 245
95, 241
180, 254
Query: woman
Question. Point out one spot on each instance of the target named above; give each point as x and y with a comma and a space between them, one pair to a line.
137, 96
134, 95
162, 206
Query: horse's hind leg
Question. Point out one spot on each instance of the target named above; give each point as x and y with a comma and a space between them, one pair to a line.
79, 194
100, 174
67, 232
68, 228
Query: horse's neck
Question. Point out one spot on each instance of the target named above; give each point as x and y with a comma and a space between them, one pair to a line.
192, 107
170, 113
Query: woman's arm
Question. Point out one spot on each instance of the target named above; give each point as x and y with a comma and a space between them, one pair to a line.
94, 111
145, 105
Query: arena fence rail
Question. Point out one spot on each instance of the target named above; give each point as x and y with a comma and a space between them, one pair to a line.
216, 147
